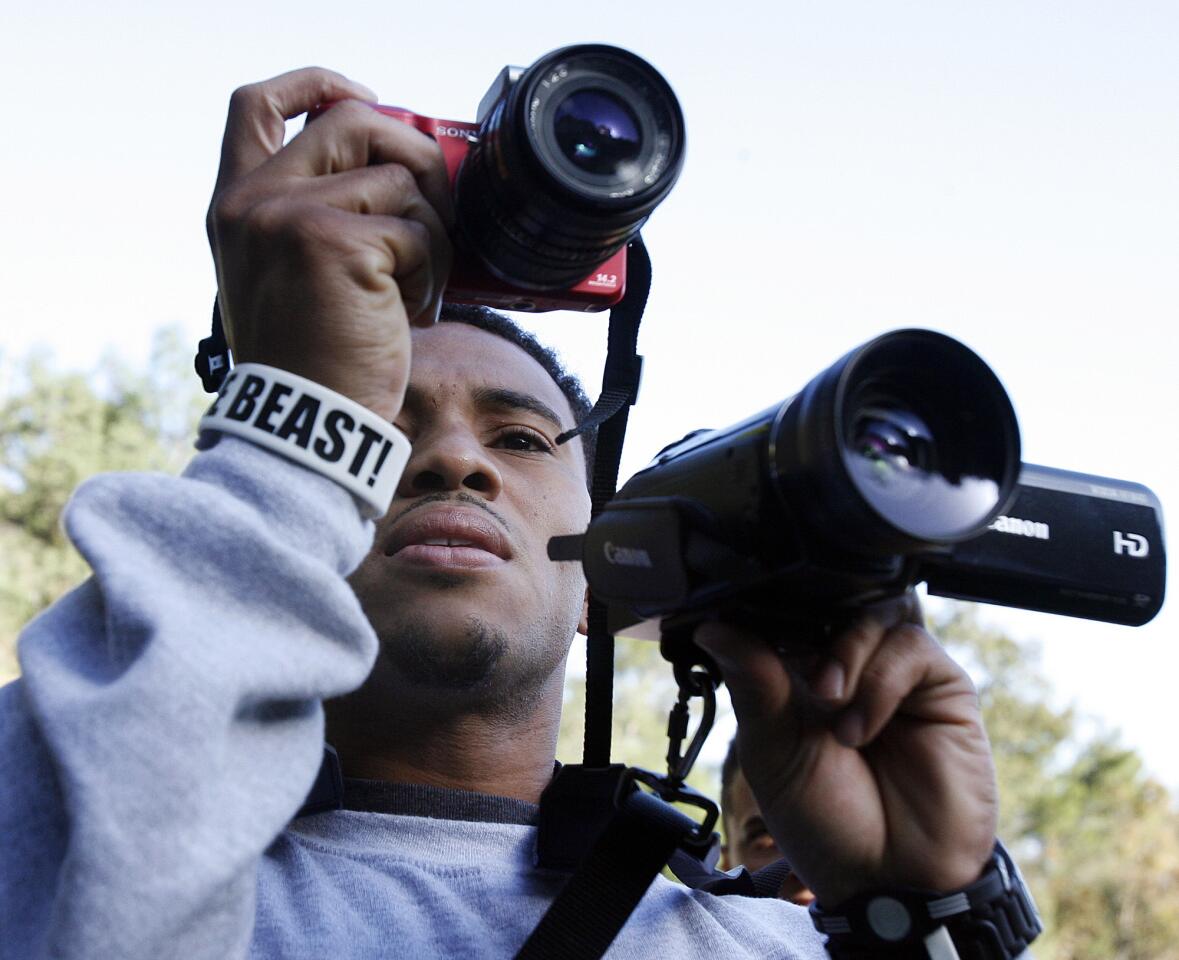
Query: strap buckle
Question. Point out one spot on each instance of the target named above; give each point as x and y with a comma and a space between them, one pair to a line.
699, 838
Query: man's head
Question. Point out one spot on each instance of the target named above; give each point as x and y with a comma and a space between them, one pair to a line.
471, 613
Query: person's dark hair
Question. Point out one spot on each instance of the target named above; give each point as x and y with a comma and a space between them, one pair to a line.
484, 318
729, 771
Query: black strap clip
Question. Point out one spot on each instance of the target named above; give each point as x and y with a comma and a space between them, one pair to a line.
699, 840
212, 361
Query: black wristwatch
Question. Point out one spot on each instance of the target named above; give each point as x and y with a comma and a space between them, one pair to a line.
994, 918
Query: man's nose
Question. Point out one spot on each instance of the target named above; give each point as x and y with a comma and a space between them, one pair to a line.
452, 459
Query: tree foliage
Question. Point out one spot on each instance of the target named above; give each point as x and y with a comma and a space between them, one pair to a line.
58, 428
1096, 837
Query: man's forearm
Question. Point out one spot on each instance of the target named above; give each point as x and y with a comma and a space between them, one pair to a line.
168, 723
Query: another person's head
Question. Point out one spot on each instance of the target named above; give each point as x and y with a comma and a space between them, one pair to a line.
748, 840
471, 613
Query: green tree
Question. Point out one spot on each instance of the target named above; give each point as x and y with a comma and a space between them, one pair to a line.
58, 428
1097, 839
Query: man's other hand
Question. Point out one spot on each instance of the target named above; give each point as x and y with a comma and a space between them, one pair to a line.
328, 248
871, 766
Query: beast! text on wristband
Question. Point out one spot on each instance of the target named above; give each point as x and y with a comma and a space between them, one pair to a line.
314, 426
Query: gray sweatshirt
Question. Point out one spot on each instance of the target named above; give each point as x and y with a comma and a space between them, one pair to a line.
168, 725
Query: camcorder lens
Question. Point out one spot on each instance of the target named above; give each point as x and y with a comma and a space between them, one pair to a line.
908, 442
894, 442
927, 435
568, 165
598, 133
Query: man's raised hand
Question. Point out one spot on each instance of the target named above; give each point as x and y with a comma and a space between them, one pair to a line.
329, 248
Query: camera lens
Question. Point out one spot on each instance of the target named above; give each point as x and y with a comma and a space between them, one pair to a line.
568, 165
894, 442
598, 133
907, 442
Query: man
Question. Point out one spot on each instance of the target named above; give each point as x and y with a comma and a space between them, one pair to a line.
169, 721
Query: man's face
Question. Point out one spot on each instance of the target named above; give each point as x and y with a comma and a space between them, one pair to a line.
458, 584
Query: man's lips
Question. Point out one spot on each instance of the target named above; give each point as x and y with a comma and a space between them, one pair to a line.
448, 536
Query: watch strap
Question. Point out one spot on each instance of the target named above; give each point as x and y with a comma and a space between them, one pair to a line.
993, 918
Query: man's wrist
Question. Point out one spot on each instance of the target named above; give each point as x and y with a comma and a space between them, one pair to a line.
316, 427
994, 917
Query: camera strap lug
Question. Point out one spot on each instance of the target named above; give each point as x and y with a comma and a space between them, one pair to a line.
212, 361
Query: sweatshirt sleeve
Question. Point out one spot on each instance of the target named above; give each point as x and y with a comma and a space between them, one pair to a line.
168, 722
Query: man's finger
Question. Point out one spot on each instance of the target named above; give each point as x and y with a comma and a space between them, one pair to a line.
907, 665
386, 190
352, 135
756, 676
836, 677
386, 251
256, 124
408, 242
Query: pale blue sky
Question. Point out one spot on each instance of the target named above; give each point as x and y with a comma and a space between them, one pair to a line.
1004, 172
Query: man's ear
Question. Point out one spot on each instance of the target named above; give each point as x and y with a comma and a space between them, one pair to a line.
583, 623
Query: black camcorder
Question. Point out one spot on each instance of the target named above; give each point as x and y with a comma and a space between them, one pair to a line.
898, 464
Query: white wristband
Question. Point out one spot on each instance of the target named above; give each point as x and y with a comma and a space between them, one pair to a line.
314, 426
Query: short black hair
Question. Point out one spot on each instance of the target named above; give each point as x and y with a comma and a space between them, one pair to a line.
484, 318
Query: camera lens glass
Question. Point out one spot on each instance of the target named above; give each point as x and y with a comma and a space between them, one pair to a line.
894, 442
928, 437
597, 132
918, 471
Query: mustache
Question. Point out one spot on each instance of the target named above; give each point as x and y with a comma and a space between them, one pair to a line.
456, 497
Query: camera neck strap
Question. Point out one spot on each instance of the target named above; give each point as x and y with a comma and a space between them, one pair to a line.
620, 389
595, 821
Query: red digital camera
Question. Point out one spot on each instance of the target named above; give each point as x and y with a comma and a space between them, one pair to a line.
561, 169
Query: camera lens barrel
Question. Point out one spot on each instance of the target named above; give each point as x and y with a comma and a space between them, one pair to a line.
907, 442
568, 165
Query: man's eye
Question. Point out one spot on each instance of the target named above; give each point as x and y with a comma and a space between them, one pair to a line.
518, 438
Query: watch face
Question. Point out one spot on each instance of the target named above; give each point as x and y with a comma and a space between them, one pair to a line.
889, 919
